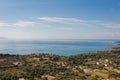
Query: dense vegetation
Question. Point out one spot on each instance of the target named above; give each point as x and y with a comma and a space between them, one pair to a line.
89, 66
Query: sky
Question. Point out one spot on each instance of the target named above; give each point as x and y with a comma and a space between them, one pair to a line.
59, 19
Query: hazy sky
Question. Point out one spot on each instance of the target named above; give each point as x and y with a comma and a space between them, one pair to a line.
60, 19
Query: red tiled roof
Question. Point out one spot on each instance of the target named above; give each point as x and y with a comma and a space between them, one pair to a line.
112, 79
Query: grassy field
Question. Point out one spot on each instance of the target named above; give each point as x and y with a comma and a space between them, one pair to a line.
103, 74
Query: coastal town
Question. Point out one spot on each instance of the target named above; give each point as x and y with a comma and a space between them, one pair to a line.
101, 65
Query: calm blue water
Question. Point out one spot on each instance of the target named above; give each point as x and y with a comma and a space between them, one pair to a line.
59, 47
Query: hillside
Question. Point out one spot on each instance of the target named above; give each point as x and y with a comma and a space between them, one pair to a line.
89, 66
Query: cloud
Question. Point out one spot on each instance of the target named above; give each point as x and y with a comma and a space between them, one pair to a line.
3, 24
18, 23
78, 29
61, 20
41, 21
112, 25
24, 23
67, 29
117, 34
70, 21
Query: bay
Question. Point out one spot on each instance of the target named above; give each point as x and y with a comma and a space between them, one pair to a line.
59, 47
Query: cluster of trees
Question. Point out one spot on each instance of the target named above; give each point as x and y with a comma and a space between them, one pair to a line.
81, 59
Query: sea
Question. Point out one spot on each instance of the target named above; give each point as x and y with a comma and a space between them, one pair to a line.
59, 47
